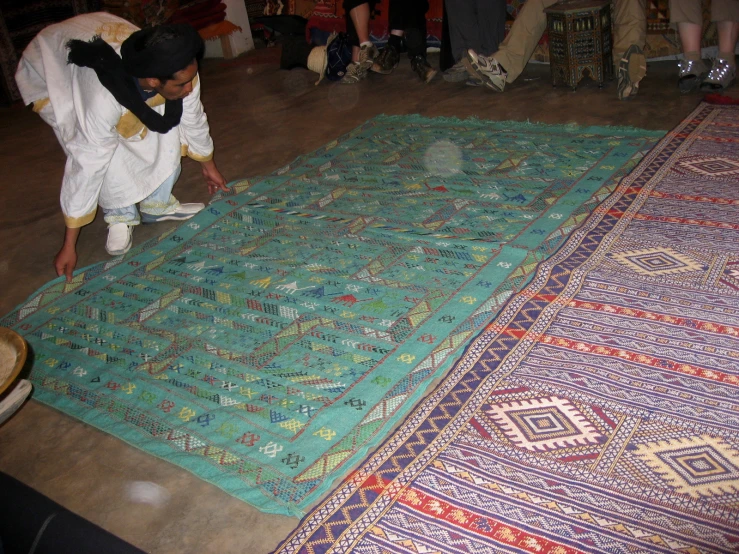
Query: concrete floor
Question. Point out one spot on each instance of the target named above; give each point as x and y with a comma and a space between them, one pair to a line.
261, 118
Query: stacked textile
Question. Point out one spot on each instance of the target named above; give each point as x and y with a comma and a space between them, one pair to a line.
201, 14
142, 13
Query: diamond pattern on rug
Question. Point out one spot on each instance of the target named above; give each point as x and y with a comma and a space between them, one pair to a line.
698, 466
544, 424
711, 167
657, 261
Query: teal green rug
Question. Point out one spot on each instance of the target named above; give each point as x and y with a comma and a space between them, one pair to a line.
267, 344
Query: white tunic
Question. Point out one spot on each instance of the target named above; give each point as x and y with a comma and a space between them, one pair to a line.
112, 159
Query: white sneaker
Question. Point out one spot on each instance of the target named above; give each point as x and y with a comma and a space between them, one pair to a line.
119, 239
183, 211
487, 69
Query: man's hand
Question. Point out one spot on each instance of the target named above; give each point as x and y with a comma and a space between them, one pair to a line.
66, 259
213, 177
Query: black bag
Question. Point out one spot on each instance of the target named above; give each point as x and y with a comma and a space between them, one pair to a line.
339, 56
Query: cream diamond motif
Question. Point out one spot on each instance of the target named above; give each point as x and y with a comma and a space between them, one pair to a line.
697, 466
657, 261
544, 424
710, 166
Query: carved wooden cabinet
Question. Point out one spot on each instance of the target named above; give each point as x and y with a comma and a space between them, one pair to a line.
580, 41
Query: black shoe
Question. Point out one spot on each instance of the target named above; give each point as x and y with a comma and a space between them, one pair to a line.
387, 60
422, 68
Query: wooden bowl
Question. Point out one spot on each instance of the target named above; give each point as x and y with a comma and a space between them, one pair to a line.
13, 352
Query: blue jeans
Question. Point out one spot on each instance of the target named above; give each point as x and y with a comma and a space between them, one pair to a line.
158, 202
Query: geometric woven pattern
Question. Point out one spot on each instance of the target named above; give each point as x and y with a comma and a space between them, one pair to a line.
270, 341
698, 466
598, 411
730, 275
544, 424
711, 167
657, 261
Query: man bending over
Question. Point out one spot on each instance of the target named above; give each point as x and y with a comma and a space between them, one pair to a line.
125, 107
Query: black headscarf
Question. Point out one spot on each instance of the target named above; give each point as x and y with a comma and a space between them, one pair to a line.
157, 52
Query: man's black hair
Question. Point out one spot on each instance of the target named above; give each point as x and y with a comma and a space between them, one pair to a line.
165, 33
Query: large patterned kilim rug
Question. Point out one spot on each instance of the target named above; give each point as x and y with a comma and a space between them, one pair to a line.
268, 343
599, 413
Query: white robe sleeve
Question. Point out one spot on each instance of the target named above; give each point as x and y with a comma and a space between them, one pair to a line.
89, 150
194, 129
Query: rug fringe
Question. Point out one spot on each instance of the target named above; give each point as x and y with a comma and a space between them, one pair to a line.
529, 125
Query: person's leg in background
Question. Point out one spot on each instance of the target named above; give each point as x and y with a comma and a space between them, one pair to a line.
478, 25
629, 39
492, 17
463, 32
725, 13
406, 21
416, 39
389, 57
687, 16
505, 65
363, 51
358, 16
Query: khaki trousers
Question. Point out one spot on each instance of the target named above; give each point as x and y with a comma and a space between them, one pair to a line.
629, 27
690, 11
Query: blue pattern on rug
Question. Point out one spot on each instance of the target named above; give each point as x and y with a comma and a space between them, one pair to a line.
271, 341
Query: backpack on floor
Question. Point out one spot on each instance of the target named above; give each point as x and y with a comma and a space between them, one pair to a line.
339, 56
